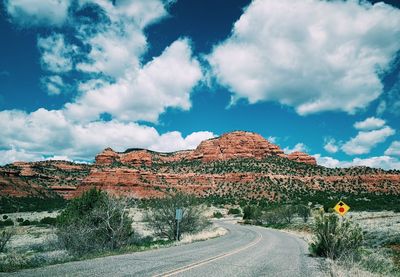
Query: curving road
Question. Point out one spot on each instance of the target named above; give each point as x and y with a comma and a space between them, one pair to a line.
244, 251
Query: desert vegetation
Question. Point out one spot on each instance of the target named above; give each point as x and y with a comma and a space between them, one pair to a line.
360, 244
97, 224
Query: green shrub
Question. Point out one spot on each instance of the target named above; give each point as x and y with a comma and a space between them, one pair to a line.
272, 218
7, 222
217, 214
304, 212
48, 220
234, 211
95, 222
251, 212
20, 220
26, 222
5, 217
334, 238
287, 213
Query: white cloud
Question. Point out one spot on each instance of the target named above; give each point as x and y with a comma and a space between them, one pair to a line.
171, 141
53, 84
166, 81
46, 133
371, 123
311, 55
328, 161
272, 139
107, 51
299, 147
117, 43
56, 54
14, 155
38, 12
330, 146
366, 140
394, 149
384, 162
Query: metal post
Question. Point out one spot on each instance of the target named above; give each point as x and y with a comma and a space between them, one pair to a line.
177, 229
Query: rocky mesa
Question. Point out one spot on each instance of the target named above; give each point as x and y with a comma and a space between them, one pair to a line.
240, 165
232, 145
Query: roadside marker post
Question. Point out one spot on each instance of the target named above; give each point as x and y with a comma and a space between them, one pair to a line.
341, 208
178, 218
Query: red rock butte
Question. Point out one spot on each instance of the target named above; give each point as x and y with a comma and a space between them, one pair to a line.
238, 144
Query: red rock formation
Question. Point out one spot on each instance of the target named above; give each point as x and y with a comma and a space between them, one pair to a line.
143, 173
235, 145
232, 145
107, 157
302, 158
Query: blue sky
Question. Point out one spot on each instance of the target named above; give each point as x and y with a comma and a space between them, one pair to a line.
77, 76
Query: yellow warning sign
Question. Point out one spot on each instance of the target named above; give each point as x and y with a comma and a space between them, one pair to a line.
341, 208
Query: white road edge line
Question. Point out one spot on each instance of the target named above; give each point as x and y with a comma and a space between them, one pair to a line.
208, 260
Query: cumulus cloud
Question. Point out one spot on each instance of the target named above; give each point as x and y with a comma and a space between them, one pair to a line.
56, 54
44, 133
105, 60
371, 123
330, 146
38, 12
384, 162
299, 147
166, 81
54, 85
311, 55
172, 141
366, 140
14, 155
394, 149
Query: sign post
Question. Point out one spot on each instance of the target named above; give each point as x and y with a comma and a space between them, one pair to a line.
341, 208
178, 218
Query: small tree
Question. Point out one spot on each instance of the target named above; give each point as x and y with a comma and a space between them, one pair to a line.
272, 218
334, 239
161, 216
95, 221
304, 212
5, 237
287, 213
251, 212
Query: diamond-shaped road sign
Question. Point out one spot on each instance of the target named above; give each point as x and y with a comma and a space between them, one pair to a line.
341, 208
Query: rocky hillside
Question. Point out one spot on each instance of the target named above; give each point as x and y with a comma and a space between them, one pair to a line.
237, 165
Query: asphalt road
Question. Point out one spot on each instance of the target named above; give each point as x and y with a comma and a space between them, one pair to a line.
244, 251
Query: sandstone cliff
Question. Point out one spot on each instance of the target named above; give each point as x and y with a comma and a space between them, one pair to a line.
235, 165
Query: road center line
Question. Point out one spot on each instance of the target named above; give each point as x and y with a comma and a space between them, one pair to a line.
208, 260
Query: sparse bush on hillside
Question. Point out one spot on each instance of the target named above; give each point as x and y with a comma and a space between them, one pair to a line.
93, 222
6, 223
161, 216
48, 220
5, 237
334, 238
217, 214
234, 211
